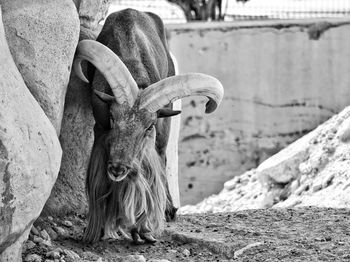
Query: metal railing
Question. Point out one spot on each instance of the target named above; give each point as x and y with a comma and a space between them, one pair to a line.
285, 9
246, 10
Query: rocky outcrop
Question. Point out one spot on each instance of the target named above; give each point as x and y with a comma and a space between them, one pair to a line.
30, 157
42, 36
91, 13
313, 171
68, 194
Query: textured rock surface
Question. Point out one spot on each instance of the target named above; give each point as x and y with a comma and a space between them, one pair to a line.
68, 194
42, 36
279, 84
30, 157
91, 12
313, 171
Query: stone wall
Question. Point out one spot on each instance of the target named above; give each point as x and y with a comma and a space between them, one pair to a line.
281, 80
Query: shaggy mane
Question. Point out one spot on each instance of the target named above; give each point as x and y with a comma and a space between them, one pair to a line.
138, 201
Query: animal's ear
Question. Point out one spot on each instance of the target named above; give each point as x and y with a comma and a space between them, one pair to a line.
104, 97
165, 112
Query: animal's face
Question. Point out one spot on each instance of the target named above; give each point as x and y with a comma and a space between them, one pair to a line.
132, 131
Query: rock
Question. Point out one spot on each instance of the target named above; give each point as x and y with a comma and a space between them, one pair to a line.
186, 252
53, 235
306, 173
44, 234
34, 231
53, 254
158, 260
33, 258
62, 232
284, 166
38, 240
71, 256
45, 243
43, 45
87, 255
91, 12
132, 258
29, 244
67, 223
76, 140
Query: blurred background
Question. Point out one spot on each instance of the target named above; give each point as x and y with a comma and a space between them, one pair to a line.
180, 11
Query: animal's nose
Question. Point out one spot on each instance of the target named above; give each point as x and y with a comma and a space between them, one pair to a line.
117, 170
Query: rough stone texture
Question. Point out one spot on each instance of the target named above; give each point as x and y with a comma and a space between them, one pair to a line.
68, 194
313, 171
91, 12
42, 36
279, 84
30, 156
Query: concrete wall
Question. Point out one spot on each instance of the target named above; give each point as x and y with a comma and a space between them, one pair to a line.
281, 80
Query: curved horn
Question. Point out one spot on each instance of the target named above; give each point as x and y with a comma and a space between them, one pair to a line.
172, 88
109, 64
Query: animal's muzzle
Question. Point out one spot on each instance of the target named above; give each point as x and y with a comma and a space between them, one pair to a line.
117, 172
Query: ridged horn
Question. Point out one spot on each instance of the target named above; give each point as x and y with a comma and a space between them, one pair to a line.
111, 67
172, 88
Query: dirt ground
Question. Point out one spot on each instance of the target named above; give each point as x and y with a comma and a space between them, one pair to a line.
305, 234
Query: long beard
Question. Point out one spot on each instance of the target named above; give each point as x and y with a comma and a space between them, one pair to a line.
137, 201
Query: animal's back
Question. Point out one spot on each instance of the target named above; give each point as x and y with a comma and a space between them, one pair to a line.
139, 40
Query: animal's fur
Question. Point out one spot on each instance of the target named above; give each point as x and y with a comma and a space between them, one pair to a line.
136, 202
139, 201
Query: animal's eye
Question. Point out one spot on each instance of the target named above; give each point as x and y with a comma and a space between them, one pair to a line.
149, 129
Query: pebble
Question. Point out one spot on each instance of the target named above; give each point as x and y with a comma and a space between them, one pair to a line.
71, 256
44, 234
186, 252
67, 223
53, 254
53, 235
133, 258
29, 244
46, 243
34, 231
38, 240
50, 218
89, 256
62, 232
32, 258
158, 260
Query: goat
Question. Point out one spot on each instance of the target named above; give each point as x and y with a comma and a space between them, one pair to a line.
134, 87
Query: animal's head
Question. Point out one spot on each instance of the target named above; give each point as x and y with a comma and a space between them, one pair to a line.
133, 113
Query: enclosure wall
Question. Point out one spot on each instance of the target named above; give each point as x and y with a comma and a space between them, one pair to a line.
281, 80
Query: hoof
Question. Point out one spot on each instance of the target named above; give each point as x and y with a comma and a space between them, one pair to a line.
170, 213
148, 238
137, 240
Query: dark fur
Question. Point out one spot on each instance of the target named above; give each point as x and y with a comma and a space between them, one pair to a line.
139, 40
